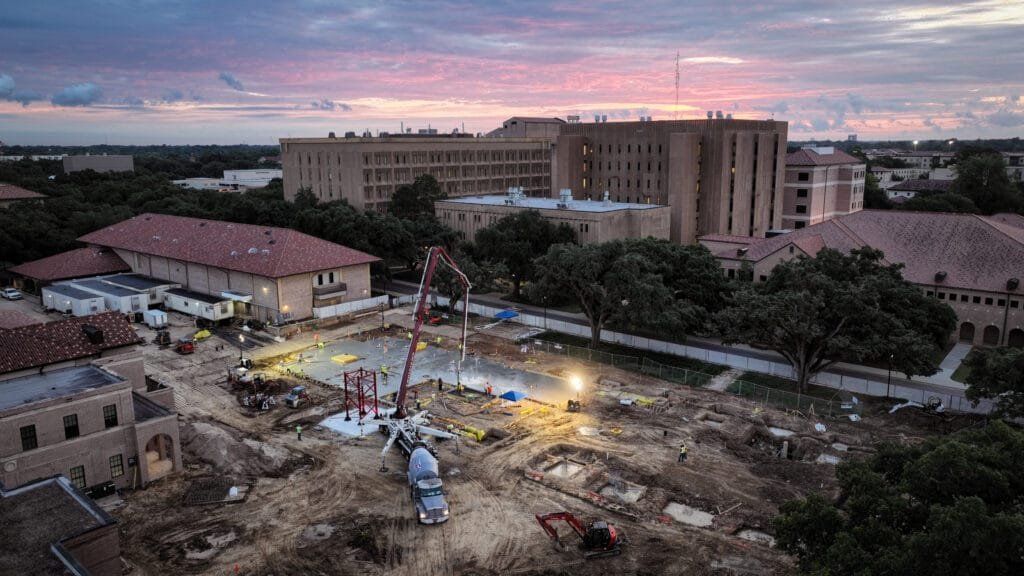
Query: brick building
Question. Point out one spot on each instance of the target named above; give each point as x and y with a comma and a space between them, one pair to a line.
366, 171
973, 263
9, 194
75, 400
821, 183
79, 263
50, 528
272, 274
719, 176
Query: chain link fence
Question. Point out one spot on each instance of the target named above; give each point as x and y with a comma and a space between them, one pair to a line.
764, 395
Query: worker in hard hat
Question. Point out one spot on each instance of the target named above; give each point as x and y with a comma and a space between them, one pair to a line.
682, 453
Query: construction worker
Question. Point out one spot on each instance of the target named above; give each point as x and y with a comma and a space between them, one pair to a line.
409, 334
384, 372
682, 453
418, 405
438, 341
298, 430
490, 391
440, 384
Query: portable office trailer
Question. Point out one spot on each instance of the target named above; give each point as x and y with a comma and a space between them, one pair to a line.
117, 298
155, 318
201, 305
154, 289
68, 299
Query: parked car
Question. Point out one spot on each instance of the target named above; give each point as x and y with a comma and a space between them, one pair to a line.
10, 294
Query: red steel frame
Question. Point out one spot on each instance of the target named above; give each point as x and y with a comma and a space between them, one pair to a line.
361, 392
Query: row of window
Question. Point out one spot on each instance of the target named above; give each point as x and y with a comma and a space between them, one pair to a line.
461, 156
77, 473
30, 441
607, 149
989, 301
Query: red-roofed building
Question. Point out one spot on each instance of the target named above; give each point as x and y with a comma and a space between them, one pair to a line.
9, 194
973, 263
75, 400
821, 183
78, 263
907, 189
267, 273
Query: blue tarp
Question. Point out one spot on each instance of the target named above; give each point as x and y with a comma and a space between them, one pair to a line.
513, 395
506, 314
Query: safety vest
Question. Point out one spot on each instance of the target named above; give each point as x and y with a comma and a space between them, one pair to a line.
682, 449
383, 369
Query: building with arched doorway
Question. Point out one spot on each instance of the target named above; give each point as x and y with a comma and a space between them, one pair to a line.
75, 401
973, 263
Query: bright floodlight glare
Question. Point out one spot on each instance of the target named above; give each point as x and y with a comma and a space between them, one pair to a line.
576, 383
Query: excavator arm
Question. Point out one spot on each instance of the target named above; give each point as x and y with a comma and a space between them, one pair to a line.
435, 254
546, 520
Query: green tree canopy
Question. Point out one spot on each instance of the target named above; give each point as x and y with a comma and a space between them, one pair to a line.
925, 201
952, 505
983, 179
874, 196
638, 284
516, 240
997, 374
411, 201
481, 275
840, 307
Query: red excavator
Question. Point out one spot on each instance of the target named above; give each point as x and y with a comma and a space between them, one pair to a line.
599, 539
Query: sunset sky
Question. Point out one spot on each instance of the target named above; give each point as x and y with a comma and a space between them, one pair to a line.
253, 71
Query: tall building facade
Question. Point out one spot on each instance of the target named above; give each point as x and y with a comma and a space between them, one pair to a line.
366, 171
719, 176
821, 183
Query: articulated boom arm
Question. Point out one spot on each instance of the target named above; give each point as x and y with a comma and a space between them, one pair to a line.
420, 310
546, 519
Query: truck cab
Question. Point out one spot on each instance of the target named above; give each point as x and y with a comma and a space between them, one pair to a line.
431, 507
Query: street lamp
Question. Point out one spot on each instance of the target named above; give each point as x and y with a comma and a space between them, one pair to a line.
578, 385
888, 378
241, 343
544, 301
915, 145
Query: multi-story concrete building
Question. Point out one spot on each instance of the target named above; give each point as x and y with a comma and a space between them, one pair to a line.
102, 163
49, 527
227, 269
821, 183
973, 263
366, 171
528, 127
719, 176
75, 400
593, 221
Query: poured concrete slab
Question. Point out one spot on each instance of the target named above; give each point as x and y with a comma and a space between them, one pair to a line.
689, 515
564, 469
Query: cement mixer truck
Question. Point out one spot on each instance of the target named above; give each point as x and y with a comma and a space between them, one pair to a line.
426, 487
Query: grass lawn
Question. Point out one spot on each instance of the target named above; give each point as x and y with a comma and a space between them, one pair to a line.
962, 372
667, 359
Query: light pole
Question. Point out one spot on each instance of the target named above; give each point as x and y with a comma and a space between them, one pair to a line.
241, 343
578, 385
382, 318
544, 301
915, 145
888, 378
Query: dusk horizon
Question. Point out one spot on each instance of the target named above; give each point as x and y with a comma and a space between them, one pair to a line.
252, 73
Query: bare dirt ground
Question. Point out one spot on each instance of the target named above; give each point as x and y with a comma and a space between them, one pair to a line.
322, 505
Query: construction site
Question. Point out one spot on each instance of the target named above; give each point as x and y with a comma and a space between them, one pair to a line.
535, 463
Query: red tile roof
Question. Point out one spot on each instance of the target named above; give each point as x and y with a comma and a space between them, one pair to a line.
975, 252
10, 192
62, 340
14, 319
261, 250
78, 263
918, 184
808, 157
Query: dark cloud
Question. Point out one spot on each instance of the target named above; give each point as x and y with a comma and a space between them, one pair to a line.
9, 91
327, 104
231, 81
7, 86
1005, 118
777, 108
78, 95
133, 101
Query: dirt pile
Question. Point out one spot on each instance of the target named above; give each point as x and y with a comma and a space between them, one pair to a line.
228, 451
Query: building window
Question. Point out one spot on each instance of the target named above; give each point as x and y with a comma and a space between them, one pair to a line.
988, 301
78, 477
929, 293
803, 176
1014, 303
963, 297
942, 295
801, 209
110, 416
71, 426
330, 277
801, 192
28, 437
1002, 302
764, 278
800, 225
731, 273
952, 297
977, 299
116, 466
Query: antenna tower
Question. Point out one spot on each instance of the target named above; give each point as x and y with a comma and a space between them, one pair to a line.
675, 111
